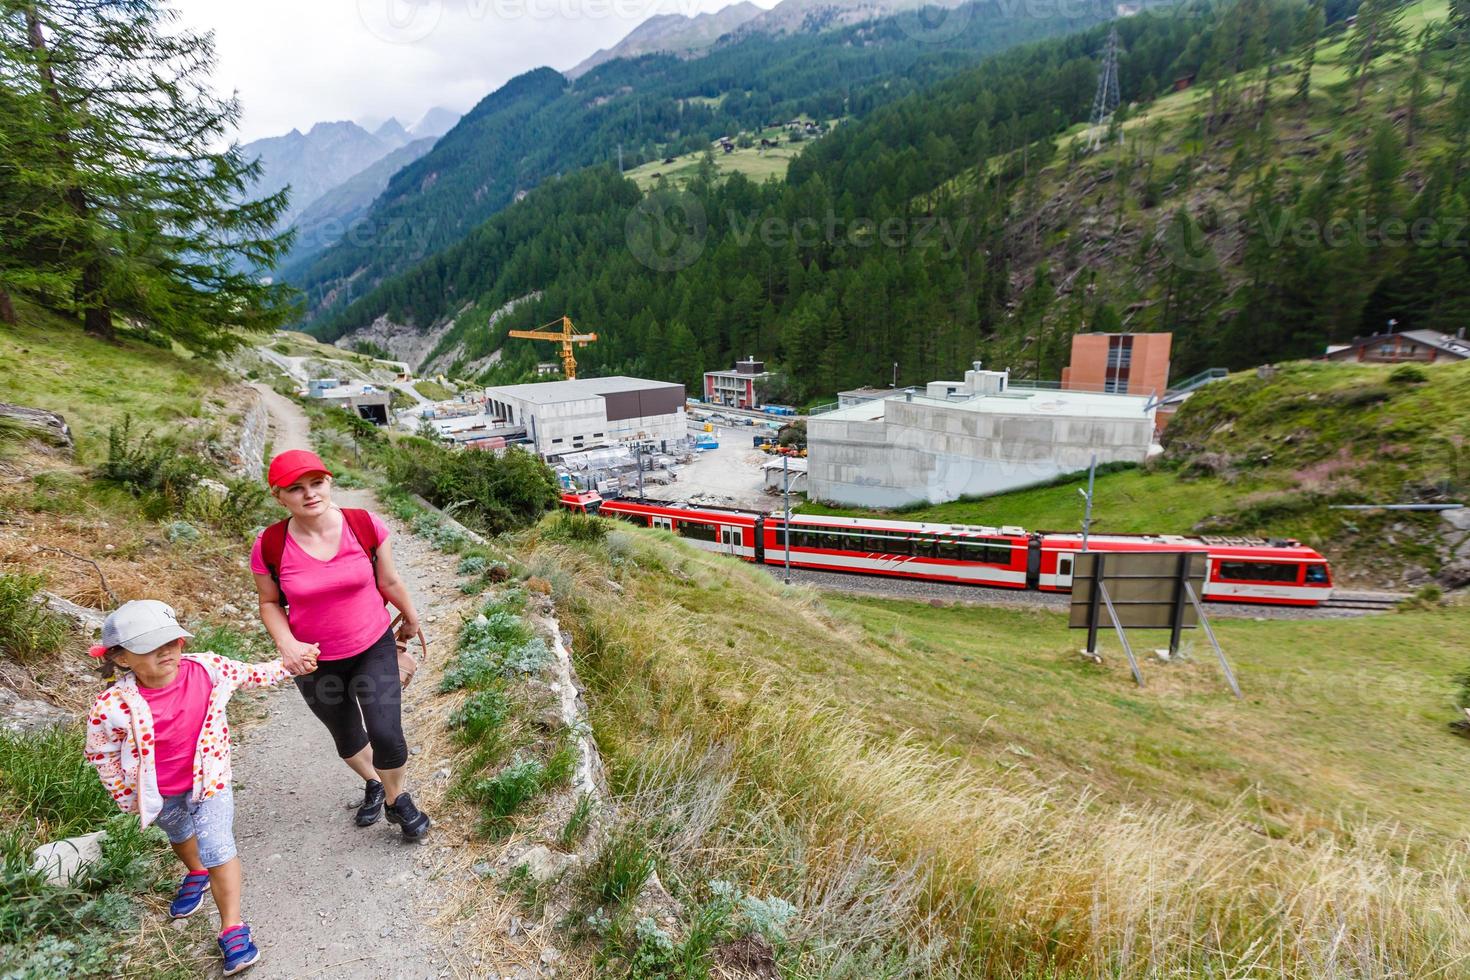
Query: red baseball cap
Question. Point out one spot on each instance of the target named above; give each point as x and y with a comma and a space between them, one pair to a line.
292, 465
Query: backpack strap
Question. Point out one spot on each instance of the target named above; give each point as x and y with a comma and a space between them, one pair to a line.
272, 546
361, 523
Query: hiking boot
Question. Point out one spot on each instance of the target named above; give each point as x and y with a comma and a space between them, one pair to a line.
411, 820
372, 804
190, 894
239, 952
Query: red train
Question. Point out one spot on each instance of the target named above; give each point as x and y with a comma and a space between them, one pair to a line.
1240, 569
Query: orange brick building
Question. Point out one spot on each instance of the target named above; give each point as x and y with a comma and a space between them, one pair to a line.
1122, 363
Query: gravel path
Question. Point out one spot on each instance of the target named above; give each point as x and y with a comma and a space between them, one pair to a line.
324, 897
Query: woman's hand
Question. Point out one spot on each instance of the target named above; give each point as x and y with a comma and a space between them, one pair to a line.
409, 628
297, 657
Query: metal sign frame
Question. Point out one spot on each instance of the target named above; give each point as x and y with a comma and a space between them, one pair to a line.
1142, 590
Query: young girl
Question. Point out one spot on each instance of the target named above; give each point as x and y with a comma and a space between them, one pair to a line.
161, 744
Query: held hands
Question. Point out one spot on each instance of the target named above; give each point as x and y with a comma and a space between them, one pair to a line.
299, 658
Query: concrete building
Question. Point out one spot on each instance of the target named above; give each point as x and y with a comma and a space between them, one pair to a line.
1409, 347
1119, 363
561, 417
744, 387
979, 436
856, 396
368, 401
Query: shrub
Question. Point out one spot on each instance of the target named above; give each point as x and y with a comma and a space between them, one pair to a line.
1408, 374
577, 823
494, 492
621, 867
484, 712
28, 630
577, 527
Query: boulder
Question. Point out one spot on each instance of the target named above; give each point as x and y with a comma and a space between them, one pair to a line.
60, 861
1459, 518
39, 424
18, 714
1456, 574
545, 864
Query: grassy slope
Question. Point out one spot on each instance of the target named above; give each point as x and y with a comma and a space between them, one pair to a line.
55, 366
1271, 456
757, 164
1037, 784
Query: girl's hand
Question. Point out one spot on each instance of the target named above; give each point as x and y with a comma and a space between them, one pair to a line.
297, 657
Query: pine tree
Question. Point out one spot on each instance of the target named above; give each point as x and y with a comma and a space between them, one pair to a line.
1379, 30
1307, 34
155, 218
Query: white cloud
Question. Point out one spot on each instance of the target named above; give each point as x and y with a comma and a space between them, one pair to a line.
298, 62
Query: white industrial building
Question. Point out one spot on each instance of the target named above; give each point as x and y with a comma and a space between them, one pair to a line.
561, 417
979, 436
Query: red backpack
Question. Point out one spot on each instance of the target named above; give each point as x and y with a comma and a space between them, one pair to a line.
273, 543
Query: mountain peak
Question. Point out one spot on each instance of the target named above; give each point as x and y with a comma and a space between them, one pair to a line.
678, 34
393, 133
436, 122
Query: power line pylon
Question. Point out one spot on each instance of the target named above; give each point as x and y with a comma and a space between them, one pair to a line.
1105, 102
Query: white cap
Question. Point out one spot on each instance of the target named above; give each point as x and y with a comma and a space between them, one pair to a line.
142, 626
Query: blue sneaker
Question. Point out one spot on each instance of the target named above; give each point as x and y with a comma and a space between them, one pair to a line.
239, 952
190, 895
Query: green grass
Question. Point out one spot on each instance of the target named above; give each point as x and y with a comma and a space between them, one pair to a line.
757, 164
434, 391
1049, 812
28, 630
1343, 715
94, 384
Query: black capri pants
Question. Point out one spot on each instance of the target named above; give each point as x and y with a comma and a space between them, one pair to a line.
360, 701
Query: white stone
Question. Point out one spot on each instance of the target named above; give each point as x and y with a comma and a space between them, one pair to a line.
61, 860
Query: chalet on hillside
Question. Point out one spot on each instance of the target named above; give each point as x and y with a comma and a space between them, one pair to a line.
1410, 346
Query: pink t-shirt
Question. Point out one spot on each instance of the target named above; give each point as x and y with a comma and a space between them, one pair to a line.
178, 715
334, 604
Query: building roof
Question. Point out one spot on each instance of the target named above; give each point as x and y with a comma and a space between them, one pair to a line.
870, 392
1442, 342
554, 392
1014, 400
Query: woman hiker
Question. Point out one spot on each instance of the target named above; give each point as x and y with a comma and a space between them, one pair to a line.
323, 576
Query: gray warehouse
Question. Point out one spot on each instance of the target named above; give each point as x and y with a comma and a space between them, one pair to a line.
569, 416
979, 436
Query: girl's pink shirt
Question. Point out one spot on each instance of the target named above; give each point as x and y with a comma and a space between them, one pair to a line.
334, 604
178, 716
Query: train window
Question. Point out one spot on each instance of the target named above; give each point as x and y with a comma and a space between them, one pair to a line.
664, 523
924, 547
949, 549
992, 551
1064, 566
697, 531
1316, 574
1258, 571
640, 519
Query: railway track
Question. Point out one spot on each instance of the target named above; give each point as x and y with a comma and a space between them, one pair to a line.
1365, 601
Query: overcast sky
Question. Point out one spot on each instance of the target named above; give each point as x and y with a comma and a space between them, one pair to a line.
298, 62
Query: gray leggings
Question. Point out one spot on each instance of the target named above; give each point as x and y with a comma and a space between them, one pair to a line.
360, 701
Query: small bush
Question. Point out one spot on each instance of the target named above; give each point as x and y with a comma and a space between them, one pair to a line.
28, 630
495, 492
1408, 374
620, 868
48, 787
575, 829
501, 796
233, 643
484, 712
577, 527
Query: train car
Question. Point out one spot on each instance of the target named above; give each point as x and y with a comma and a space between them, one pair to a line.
1282, 572
907, 549
1238, 569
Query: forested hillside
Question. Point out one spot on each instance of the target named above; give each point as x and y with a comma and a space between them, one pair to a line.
1258, 214
538, 125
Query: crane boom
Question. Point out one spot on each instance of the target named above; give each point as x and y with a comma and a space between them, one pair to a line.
566, 336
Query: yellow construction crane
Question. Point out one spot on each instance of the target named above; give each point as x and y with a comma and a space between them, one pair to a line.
566, 337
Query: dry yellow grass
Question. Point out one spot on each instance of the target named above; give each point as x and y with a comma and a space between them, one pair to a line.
905, 861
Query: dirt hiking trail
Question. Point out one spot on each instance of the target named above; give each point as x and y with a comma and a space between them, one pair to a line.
324, 897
